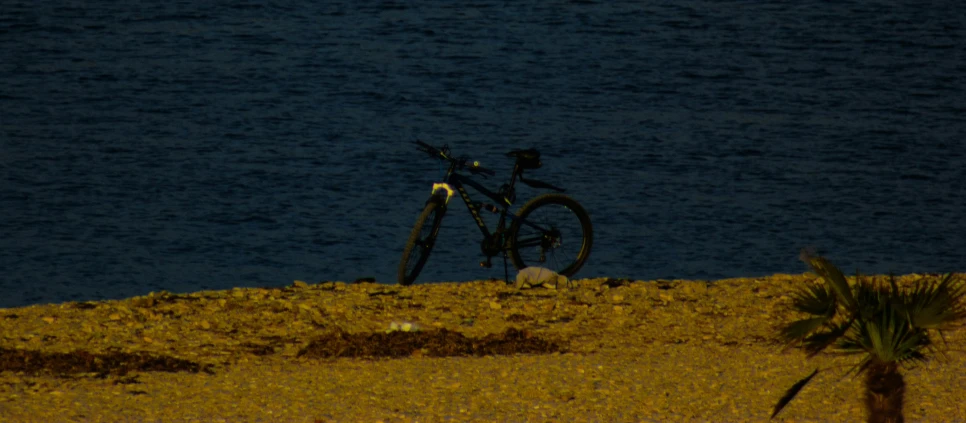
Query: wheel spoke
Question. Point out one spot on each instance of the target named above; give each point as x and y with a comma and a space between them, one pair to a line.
551, 231
535, 226
529, 242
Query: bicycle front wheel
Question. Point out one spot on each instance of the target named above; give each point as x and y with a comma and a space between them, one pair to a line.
551, 231
420, 242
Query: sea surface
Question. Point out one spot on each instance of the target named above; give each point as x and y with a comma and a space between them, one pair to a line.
183, 146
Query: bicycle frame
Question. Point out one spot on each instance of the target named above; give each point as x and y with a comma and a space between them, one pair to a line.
457, 181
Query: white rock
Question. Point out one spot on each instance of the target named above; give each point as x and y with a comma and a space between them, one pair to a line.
531, 277
402, 326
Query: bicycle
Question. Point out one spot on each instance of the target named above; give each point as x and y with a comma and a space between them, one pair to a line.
544, 231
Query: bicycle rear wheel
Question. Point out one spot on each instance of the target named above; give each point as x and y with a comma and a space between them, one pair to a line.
551, 231
420, 242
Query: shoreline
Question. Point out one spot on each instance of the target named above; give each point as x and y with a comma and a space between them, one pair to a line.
632, 351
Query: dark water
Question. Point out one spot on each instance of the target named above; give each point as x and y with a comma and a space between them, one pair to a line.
184, 146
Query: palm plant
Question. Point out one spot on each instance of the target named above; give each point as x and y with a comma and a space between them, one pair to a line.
891, 326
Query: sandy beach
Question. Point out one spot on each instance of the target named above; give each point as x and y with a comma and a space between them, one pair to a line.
608, 350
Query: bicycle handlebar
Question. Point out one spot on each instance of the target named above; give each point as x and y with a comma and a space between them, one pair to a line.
443, 153
433, 151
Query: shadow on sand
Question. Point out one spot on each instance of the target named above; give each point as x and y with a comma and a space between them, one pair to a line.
114, 363
432, 343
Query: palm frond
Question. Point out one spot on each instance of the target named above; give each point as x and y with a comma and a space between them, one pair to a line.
816, 299
886, 337
834, 277
799, 329
866, 300
895, 286
791, 393
815, 343
932, 306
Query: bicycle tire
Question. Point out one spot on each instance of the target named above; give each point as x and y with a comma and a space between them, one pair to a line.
420, 242
550, 238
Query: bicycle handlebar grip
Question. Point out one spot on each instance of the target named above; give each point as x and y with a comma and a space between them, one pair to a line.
486, 171
475, 167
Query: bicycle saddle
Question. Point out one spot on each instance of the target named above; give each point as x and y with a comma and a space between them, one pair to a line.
526, 159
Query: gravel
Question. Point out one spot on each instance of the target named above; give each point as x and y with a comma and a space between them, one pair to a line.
658, 351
